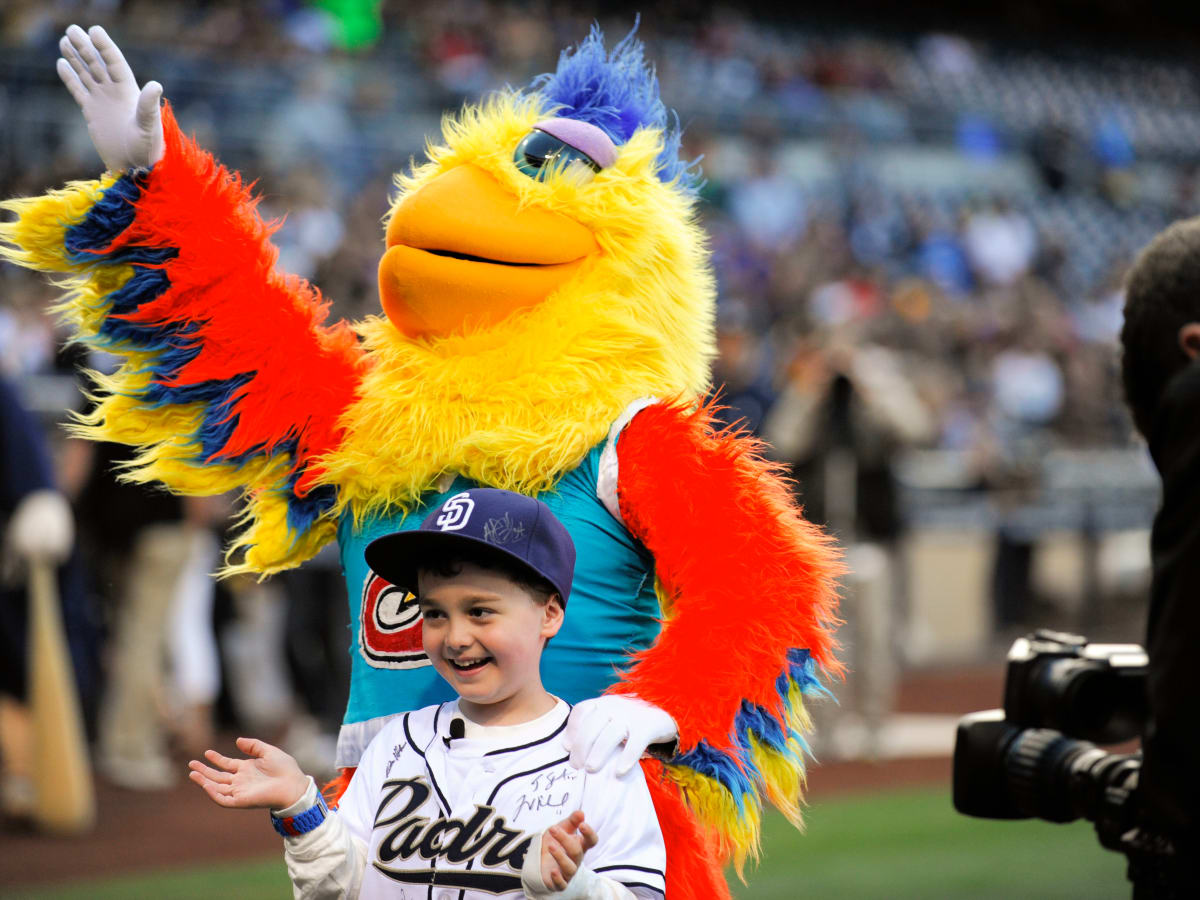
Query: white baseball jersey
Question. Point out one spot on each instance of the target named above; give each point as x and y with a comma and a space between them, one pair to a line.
446, 818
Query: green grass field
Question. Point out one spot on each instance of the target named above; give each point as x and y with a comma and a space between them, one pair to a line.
897, 845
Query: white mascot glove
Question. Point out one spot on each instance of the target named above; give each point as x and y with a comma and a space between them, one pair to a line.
599, 728
41, 528
125, 124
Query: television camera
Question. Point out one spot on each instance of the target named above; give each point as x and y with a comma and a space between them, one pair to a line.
1038, 756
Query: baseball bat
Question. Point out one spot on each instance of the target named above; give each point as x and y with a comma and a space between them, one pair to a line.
64, 799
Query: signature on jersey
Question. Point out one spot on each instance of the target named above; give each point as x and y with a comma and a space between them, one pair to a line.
396, 751
541, 794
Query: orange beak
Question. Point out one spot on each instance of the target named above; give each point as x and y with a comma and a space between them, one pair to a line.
460, 255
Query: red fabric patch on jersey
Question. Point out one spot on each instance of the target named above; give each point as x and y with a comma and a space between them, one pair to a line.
390, 626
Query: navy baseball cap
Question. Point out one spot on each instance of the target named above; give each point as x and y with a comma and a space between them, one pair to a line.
505, 522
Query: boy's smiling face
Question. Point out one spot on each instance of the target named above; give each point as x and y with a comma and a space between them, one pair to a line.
484, 634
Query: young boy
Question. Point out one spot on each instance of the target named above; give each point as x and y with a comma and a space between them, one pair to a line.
473, 798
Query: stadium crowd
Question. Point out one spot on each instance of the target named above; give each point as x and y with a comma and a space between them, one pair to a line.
918, 238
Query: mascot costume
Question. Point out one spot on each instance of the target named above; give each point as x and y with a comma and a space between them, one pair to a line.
548, 328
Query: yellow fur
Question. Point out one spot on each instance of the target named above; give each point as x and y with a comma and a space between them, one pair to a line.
784, 780
519, 404
736, 830
87, 298
271, 545
35, 239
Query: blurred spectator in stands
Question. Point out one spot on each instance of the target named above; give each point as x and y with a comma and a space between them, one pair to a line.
948, 55
26, 335
1114, 157
856, 297
742, 370
1185, 193
349, 276
1054, 155
878, 232
311, 125
312, 227
1001, 243
1027, 387
849, 393
940, 255
455, 48
1099, 317
767, 206
976, 136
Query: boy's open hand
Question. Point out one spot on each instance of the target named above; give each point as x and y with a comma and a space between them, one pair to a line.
563, 846
124, 122
270, 779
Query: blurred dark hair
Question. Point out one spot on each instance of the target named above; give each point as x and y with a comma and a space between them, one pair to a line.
1162, 294
448, 563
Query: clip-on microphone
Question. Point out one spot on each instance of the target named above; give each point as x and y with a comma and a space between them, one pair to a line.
457, 729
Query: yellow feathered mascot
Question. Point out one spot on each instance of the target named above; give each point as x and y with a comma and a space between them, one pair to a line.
548, 329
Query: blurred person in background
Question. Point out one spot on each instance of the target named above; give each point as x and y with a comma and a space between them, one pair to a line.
742, 370
767, 206
138, 541
847, 407
1001, 243
36, 528
1026, 386
194, 682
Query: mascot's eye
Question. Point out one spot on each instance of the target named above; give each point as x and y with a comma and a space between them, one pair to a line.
540, 155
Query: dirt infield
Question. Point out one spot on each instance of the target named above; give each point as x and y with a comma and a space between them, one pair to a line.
140, 831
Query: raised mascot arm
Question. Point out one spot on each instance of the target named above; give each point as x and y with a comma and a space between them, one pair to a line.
230, 377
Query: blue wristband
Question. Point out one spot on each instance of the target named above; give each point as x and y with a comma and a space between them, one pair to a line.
291, 826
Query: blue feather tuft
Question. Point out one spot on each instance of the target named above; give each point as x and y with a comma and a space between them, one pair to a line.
802, 669
110, 215
722, 768
618, 93
765, 727
303, 512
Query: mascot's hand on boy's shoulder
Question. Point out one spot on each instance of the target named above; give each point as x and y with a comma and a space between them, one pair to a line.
124, 122
615, 725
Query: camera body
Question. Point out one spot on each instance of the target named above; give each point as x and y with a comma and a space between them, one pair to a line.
1035, 758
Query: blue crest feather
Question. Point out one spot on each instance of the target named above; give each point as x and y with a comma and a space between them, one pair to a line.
618, 93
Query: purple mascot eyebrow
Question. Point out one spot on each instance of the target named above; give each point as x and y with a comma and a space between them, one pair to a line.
584, 137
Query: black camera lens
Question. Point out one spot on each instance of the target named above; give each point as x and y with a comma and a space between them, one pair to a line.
1005, 772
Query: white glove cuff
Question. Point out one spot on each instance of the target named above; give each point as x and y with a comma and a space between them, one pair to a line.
578, 888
